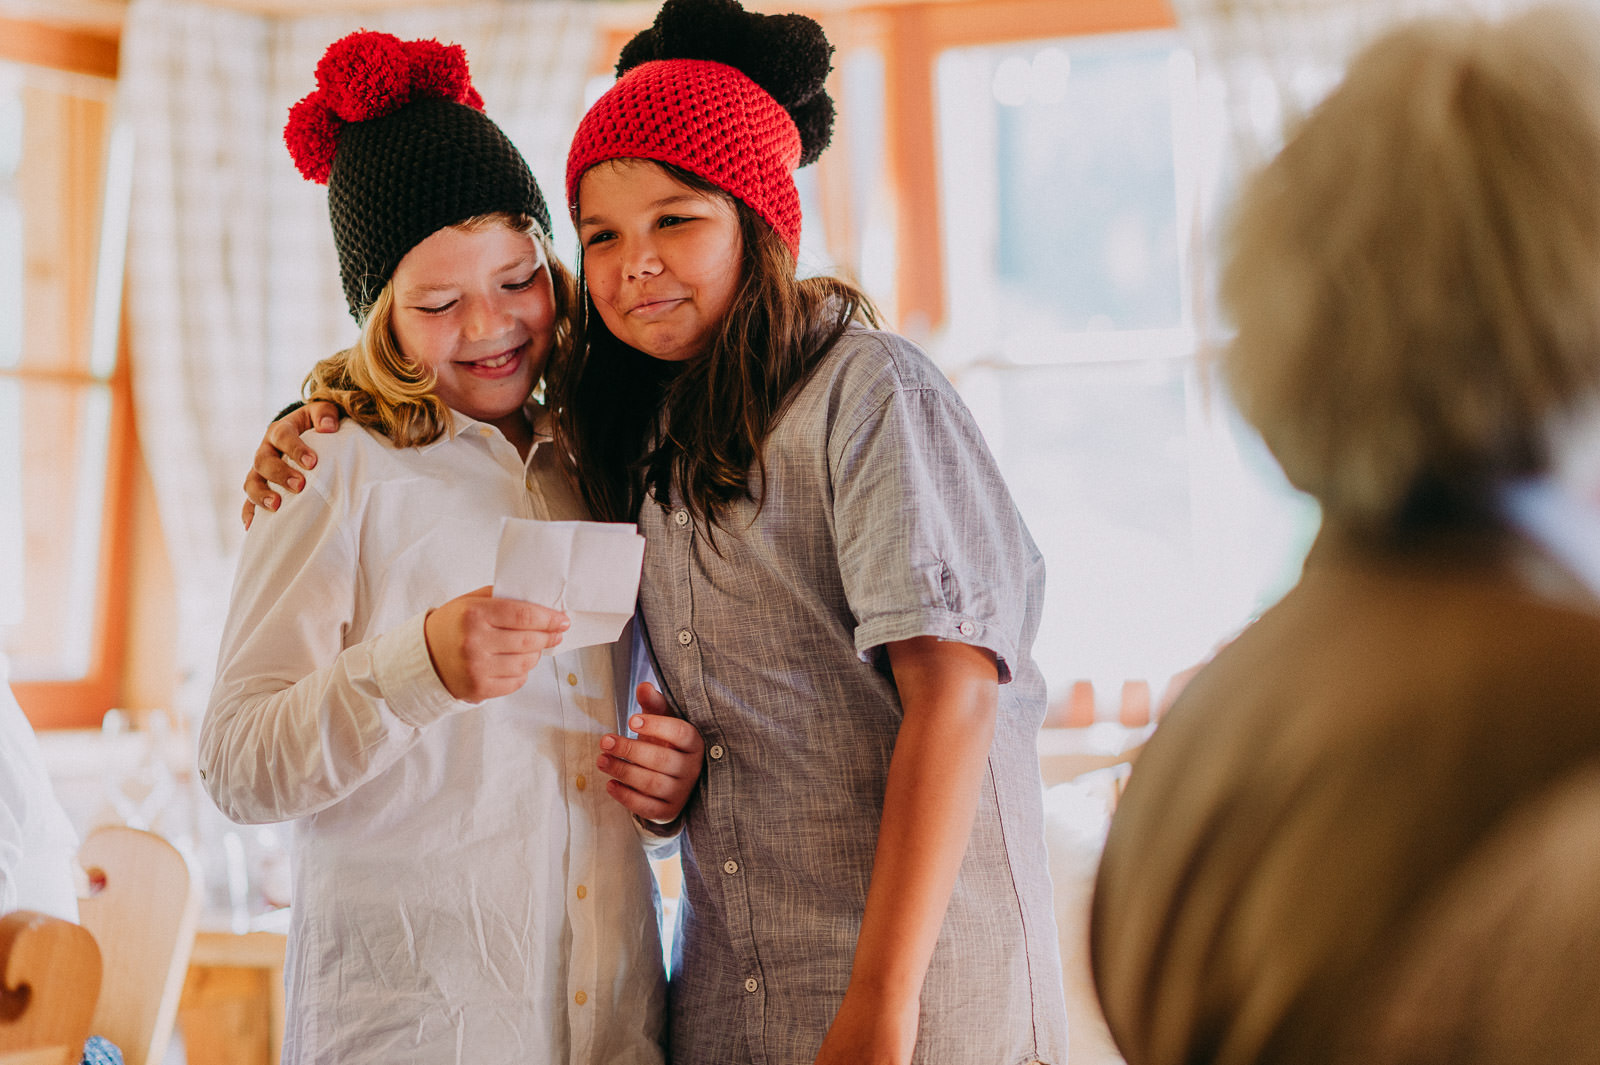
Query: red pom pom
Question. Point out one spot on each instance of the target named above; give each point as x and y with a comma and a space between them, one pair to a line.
312, 135
439, 70
365, 75
472, 99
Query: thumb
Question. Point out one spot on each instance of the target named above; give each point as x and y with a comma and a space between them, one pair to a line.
650, 700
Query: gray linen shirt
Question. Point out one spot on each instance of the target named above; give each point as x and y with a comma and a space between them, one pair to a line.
883, 518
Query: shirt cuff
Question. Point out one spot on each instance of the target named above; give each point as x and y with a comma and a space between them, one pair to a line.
872, 635
406, 676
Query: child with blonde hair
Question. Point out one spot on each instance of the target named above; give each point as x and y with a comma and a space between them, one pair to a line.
462, 892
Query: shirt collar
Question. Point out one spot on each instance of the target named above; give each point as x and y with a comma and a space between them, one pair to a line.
460, 424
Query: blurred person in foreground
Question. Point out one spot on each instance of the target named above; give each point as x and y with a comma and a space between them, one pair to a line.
1415, 284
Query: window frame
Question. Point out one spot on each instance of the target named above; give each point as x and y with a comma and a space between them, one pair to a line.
83, 702
910, 37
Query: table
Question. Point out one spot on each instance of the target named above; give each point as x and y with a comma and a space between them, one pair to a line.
231, 1012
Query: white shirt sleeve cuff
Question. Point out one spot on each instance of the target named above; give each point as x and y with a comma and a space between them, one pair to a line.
406, 677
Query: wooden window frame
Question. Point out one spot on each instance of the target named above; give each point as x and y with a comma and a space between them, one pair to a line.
910, 37
82, 703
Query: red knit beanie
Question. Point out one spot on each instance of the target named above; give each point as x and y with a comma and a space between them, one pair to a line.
707, 118
733, 96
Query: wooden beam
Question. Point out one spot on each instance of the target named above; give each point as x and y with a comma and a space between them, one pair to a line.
954, 25
43, 44
912, 157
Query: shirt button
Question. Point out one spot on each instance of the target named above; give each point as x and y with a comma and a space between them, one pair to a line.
681, 517
580, 998
484, 430
572, 679
581, 783
730, 867
750, 984
685, 637
716, 752
966, 628
583, 892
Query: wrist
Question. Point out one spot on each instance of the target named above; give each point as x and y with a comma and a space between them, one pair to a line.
890, 987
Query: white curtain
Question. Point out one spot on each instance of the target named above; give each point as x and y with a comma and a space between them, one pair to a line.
1273, 60
233, 288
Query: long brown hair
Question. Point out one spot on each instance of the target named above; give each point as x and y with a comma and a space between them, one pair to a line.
634, 425
383, 389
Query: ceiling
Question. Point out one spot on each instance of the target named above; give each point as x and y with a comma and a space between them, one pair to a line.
107, 15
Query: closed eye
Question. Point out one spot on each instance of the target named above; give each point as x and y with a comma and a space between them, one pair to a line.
525, 283
440, 309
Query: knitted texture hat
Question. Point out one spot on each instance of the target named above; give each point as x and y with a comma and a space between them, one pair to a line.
732, 96
398, 134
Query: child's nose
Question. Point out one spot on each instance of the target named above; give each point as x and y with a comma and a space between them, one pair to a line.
488, 319
642, 260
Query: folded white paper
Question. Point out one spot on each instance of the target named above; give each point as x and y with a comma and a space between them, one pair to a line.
587, 569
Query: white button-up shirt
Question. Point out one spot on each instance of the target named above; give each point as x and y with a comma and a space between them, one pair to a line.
461, 894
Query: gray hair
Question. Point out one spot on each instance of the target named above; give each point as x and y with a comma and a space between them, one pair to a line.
1415, 278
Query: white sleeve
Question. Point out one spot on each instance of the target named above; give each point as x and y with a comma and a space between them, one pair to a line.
37, 840
296, 720
10, 851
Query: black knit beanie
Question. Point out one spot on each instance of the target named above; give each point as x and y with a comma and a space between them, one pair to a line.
398, 134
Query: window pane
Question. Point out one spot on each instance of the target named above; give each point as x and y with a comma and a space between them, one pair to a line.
1163, 524
1070, 183
55, 397
1061, 185
53, 448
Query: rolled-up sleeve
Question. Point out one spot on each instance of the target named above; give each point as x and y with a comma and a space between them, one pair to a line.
930, 543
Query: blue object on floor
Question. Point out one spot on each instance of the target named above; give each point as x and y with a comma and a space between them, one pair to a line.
100, 1051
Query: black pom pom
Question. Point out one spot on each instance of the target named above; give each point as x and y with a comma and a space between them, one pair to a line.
641, 49
704, 29
814, 119
790, 58
787, 55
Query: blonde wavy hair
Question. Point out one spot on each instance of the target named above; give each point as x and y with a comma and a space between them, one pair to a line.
382, 389
1415, 278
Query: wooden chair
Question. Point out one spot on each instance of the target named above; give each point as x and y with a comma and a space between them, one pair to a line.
49, 982
143, 906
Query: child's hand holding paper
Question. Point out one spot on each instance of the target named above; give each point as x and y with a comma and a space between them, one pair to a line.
587, 569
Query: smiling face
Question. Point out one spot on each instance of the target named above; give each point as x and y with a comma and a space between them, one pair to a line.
661, 259
477, 308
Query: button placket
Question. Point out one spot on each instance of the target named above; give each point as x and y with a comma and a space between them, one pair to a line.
673, 594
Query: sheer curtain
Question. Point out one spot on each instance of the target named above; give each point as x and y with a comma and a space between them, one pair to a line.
1272, 60
233, 288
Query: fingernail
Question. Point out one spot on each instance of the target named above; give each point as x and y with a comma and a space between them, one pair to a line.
328, 425
607, 742
295, 484
272, 503
636, 722
308, 460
